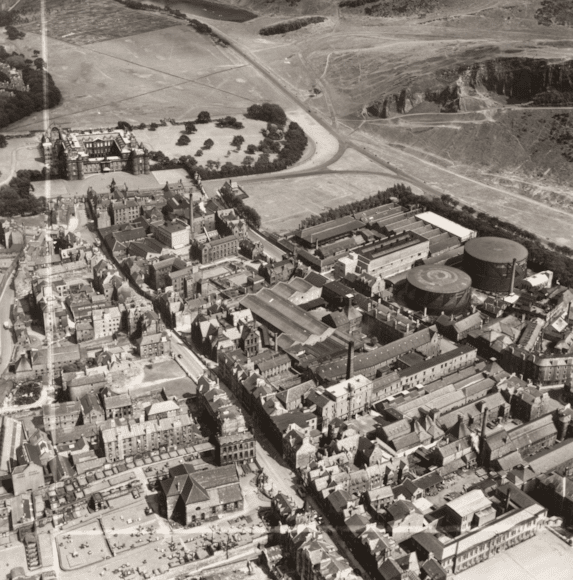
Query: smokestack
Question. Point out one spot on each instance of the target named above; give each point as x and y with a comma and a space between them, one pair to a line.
513, 269
191, 216
350, 363
347, 304
482, 436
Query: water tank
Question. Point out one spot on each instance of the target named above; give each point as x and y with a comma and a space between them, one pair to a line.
489, 261
439, 289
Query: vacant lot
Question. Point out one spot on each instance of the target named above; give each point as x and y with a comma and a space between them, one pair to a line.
125, 531
540, 558
162, 371
75, 20
82, 546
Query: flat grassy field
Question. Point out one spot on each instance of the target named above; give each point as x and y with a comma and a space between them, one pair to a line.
74, 20
163, 74
20, 153
165, 139
284, 203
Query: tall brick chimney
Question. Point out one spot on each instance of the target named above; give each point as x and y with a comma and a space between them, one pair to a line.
350, 362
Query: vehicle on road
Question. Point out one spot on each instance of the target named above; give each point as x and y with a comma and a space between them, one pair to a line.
179, 356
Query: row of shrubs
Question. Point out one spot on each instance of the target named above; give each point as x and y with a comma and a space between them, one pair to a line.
290, 26
355, 3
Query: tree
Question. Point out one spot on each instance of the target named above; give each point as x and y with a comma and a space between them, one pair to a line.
183, 140
208, 144
190, 128
204, 117
13, 33
124, 125
237, 141
198, 153
268, 112
39, 63
248, 161
3, 142
251, 216
153, 126
188, 160
251, 149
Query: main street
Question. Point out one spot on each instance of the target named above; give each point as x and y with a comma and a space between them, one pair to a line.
6, 342
187, 359
279, 473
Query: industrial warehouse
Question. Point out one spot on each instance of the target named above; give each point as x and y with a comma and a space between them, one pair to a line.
414, 377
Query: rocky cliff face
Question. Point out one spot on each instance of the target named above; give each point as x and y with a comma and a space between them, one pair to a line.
471, 87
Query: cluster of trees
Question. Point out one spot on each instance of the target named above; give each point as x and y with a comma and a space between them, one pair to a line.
22, 103
13, 33
27, 393
229, 122
555, 12
553, 98
190, 128
294, 145
334, 213
200, 27
402, 8
8, 18
208, 144
291, 25
124, 126
249, 214
16, 198
268, 112
355, 3
161, 161
203, 117
237, 141
183, 140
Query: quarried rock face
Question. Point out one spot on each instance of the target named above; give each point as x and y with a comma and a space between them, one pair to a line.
518, 79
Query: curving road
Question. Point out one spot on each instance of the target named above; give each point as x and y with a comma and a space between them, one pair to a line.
305, 118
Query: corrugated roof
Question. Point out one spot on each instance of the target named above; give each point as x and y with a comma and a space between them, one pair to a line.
469, 503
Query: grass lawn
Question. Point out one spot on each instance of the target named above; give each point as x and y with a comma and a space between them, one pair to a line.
284, 202
24, 152
164, 139
172, 73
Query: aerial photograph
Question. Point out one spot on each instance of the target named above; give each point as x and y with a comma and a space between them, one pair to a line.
286, 289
